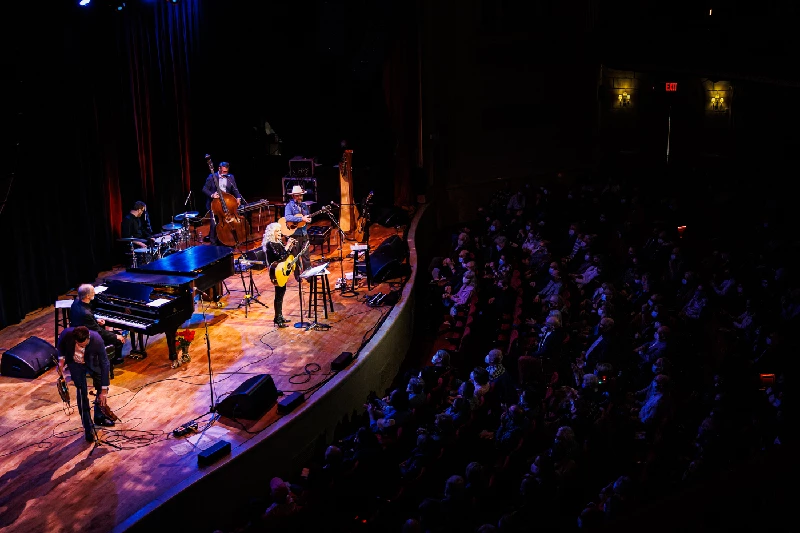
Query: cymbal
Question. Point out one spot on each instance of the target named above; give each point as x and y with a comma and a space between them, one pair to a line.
183, 216
130, 239
309, 202
171, 227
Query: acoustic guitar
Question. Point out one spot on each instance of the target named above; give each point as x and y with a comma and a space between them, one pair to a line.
360, 232
279, 272
288, 228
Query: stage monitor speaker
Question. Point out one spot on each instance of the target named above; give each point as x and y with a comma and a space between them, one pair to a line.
390, 217
28, 359
257, 254
251, 399
388, 260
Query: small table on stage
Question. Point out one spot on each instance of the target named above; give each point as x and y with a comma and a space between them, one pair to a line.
358, 249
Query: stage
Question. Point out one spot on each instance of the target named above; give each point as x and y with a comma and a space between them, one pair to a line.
53, 480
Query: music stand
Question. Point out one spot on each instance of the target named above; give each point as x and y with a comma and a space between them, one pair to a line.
301, 324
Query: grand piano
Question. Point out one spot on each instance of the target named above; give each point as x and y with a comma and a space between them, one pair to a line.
158, 297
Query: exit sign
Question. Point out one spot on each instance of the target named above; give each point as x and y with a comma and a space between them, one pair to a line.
672, 86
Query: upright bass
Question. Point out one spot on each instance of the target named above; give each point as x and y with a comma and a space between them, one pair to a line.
231, 228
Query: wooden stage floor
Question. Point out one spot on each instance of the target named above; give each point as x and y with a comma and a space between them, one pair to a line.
49, 480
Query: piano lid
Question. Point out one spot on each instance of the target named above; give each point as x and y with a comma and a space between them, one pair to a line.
163, 280
189, 262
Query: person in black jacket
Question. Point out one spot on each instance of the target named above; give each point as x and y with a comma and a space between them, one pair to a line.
274, 249
227, 184
81, 314
83, 352
134, 226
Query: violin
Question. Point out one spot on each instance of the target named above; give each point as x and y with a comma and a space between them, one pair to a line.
231, 227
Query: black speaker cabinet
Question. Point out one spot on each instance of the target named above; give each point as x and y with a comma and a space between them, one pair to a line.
251, 399
257, 254
28, 359
388, 260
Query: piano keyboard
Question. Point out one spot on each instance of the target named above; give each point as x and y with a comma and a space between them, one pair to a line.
128, 321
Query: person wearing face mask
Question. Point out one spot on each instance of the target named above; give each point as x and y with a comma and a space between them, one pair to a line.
570, 245
462, 243
675, 267
554, 286
649, 352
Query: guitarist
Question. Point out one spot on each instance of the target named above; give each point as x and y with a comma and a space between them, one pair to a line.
297, 211
84, 352
276, 251
227, 184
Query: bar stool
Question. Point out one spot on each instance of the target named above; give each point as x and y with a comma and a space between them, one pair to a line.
319, 286
358, 250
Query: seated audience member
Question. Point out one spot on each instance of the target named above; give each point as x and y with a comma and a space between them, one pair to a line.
502, 380
440, 363
284, 505
461, 299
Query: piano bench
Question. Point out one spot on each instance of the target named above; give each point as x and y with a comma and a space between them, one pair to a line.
320, 236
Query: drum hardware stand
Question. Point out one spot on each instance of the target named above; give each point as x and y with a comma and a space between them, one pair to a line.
343, 286
250, 289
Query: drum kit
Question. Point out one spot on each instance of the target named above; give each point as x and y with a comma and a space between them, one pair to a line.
175, 237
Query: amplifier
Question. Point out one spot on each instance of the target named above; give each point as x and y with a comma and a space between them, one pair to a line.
300, 167
308, 184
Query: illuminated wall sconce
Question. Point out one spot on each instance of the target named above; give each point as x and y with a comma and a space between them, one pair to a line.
681, 229
718, 103
624, 99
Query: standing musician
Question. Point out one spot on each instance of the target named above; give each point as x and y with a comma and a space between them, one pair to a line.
297, 211
275, 250
84, 352
132, 225
227, 184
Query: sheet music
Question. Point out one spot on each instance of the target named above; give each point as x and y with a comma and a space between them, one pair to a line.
101, 288
315, 271
358, 247
158, 303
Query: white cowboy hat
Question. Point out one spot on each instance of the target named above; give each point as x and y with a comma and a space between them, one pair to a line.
297, 189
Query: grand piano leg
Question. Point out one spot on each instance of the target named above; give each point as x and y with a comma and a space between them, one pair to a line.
137, 346
171, 335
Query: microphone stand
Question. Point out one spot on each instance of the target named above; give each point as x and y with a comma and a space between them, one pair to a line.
212, 408
342, 292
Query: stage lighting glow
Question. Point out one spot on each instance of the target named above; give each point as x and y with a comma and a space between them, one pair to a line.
84, 2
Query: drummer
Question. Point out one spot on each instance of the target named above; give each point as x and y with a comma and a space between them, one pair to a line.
132, 226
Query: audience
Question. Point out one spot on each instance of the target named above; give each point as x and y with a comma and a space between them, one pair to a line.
596, 360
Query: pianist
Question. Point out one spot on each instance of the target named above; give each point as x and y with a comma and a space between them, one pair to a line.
133, 225
81, 314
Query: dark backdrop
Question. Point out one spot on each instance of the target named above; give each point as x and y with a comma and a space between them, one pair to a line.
106, 107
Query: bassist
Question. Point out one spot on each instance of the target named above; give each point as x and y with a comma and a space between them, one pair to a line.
227, 184
275, 250
297, 211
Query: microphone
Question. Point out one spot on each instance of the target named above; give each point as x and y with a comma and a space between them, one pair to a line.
196, 290
335, 204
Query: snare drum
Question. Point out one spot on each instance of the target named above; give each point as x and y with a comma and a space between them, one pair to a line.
142, 256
